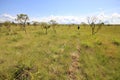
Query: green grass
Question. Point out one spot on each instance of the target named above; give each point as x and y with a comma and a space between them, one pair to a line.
48, 57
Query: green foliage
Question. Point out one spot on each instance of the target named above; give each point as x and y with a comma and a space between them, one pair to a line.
22, 19
116, 42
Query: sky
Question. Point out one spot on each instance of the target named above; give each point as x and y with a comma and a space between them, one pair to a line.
63, 11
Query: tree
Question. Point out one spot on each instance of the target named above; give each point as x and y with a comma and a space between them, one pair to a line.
95, 24
22, 19
7, 24
1, 24
83, 24
99, 26
53, 23
28, 23
69, 25
45, 26
35, 23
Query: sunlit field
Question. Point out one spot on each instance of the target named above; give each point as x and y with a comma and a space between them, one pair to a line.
68, 54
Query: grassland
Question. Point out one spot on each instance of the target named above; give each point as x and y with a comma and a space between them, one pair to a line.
68, 54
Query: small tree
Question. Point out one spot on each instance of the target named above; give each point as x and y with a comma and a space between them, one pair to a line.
7, 24
28, 23
83, 24
53, 23
93, 22
35, 23
22, 19
100, 24
45, 26
1, 24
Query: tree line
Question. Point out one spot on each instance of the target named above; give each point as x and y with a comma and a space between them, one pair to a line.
22, 20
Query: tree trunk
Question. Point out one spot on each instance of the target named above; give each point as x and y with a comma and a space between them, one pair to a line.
54, 28
46, 30
92, 30
24, 28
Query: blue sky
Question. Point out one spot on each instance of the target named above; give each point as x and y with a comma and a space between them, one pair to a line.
46, 8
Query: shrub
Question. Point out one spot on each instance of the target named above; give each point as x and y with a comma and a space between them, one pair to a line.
116, 42
22, 73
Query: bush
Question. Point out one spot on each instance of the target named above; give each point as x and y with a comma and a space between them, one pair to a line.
24, 72
116, 42
98, 42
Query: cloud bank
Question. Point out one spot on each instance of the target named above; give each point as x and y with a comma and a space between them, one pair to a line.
113, 18
6, 17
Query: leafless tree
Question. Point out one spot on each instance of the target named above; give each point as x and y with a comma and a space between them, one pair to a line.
95, 24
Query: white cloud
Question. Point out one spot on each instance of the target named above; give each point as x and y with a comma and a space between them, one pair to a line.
116, 15
8, 16
61, 19
113, 18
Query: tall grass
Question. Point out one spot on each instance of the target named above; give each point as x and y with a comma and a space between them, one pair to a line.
37, 56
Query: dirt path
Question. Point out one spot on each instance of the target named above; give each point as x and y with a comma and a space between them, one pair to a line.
74, 67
